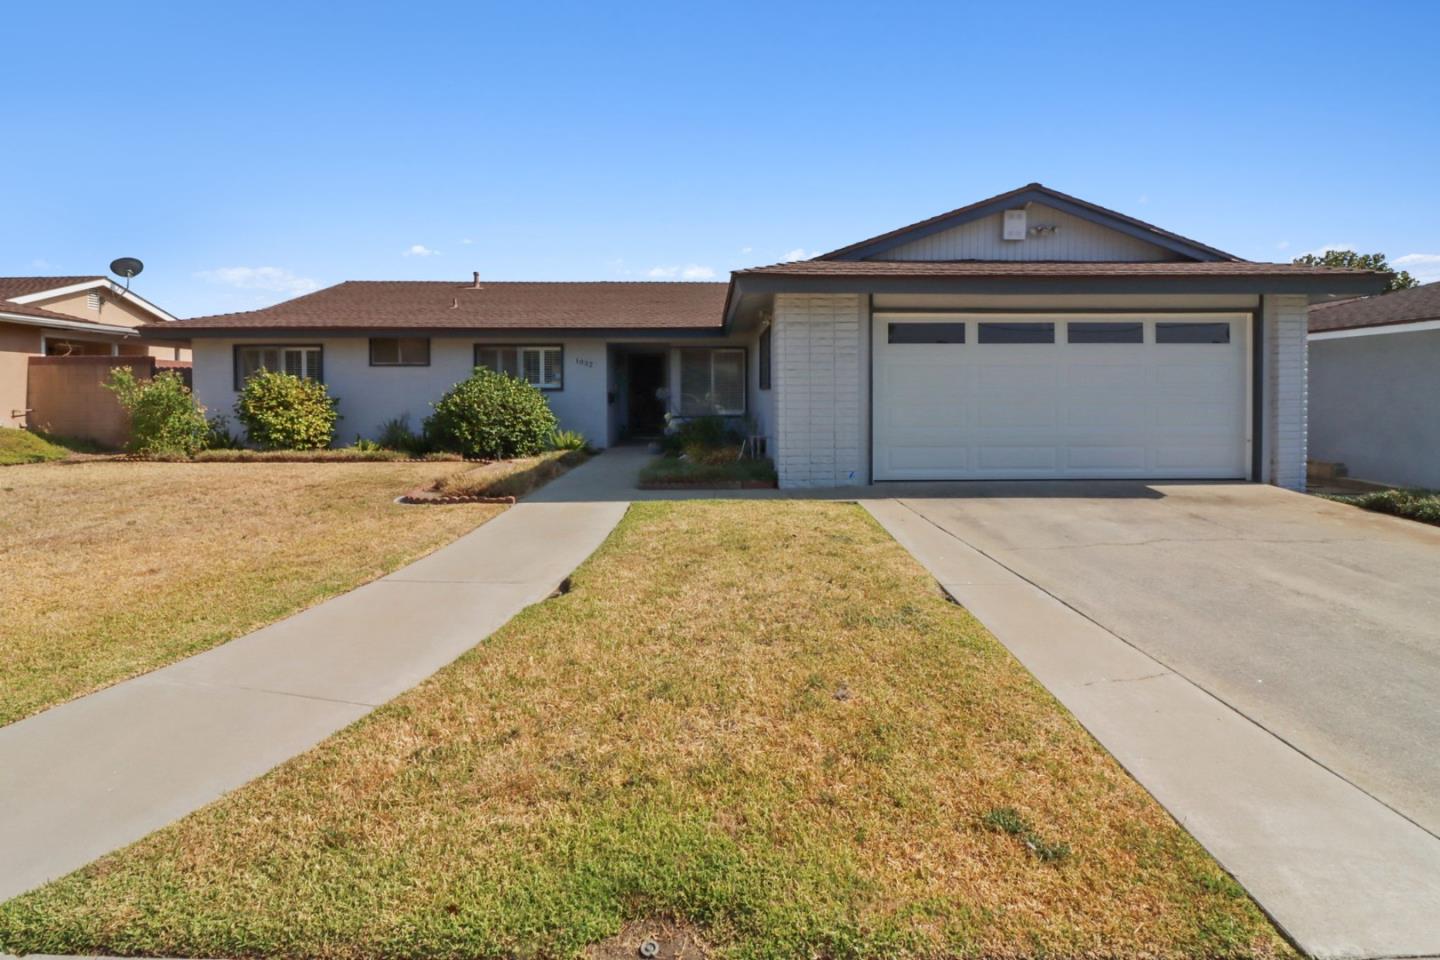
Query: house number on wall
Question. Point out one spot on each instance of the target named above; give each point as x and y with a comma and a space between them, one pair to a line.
584, 363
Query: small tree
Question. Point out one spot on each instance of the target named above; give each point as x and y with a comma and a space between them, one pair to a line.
280, 411
1350, 260
491, 416
165, 420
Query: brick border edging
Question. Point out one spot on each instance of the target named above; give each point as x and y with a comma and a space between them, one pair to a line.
707, 485
418, 499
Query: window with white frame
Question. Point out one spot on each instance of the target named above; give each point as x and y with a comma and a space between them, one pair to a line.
712, 382
539, 366
299, 361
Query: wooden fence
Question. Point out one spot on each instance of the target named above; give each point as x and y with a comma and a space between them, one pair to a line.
66, 396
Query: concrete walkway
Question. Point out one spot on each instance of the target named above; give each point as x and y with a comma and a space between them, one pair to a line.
1344, 875
95, 774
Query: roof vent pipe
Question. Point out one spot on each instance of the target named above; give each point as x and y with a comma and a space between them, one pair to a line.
477, 279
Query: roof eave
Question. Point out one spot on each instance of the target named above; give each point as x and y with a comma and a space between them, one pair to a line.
1309, 285
167, 332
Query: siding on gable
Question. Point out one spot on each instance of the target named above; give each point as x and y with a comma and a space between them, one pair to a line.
1076, 239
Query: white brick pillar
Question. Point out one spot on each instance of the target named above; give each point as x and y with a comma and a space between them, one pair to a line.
1287, 391
819, 383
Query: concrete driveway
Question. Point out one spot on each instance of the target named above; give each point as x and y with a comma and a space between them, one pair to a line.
1318, 621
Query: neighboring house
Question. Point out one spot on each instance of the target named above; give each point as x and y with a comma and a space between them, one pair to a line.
70, 316
1030, 335
1375, 386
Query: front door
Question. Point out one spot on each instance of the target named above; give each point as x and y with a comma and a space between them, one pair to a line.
646, 376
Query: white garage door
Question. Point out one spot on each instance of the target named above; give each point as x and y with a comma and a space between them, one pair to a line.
1066, 395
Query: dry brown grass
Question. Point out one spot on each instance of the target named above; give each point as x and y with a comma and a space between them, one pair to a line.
508, 478
117, 568
760, 719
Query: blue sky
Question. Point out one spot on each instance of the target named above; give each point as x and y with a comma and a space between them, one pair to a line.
251, 152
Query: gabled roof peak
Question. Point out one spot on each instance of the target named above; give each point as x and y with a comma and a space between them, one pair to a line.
1031, 192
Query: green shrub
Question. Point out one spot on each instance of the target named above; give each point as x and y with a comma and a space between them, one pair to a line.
709, 432
568, 440
284, 412
218, 435
165, 420
491, 416
396, 434
1421, 505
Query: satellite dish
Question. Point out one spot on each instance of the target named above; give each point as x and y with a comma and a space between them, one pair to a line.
126, 267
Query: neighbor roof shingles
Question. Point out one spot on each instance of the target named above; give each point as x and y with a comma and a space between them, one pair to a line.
509, 305
21, 286
1415, 305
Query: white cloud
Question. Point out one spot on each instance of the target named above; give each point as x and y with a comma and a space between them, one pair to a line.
692, 271
40, 263
1283, 245
467, 241
799, 253
420, 250
746, 249
1424, 267
270, 279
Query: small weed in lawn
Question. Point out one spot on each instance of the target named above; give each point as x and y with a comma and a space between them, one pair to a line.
1009, 820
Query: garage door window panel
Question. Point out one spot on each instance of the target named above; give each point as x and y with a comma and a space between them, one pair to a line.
1105, 332
1017, 332
926, 332
1192, 333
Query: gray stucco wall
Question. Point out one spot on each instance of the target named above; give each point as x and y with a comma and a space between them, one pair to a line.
1375, 406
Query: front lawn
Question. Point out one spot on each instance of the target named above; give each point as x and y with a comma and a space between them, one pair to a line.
759, 723
117, 568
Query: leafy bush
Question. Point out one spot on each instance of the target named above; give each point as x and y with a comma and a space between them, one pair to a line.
491, 416
1421, 505
165, 420
568, 440
218, 435
395, 434
284, 412
709, 432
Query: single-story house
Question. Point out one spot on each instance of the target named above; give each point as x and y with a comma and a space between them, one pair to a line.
71, 316
1375, 386
1029, 335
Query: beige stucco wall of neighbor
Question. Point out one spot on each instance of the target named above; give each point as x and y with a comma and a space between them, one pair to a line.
118, 312
18, 343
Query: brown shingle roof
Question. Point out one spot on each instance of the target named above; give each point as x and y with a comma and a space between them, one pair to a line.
444, 305
1403, 306
21, 286
1046, 268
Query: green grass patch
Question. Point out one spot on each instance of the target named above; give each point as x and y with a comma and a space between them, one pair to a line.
760, 719
23, 446
673, 469
1421, 505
